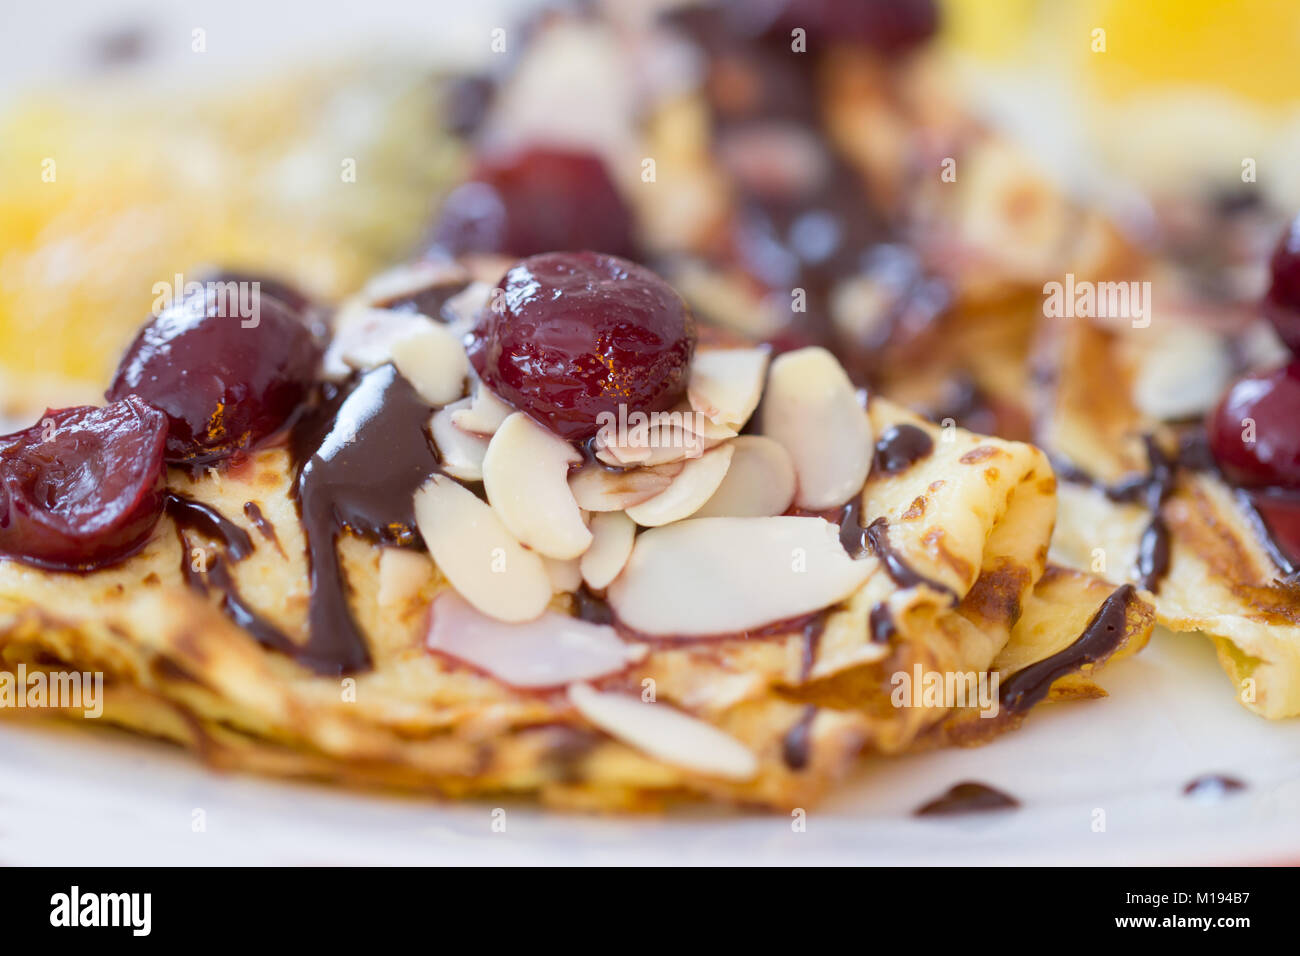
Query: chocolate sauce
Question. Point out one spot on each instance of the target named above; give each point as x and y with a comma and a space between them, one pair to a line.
1151, 489
361, 455
881, 624
796, 745
258, 520
899, 448
968, 797
1247, 503
853, 537
190, 515
591, 607
900, 572
208, 521
1213, 786
812, 638
428, 301
1104, 633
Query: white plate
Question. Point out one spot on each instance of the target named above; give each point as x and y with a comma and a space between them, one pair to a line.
93, 796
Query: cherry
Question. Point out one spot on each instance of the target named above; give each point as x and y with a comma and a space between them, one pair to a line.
83, 487
226, 380
1280, 511
888, 26
1282, 303
538, 200
1253, 432
575, 334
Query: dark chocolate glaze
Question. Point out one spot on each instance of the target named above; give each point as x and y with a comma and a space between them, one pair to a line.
853, 537
208, 521
900, 572
235, 608
259, 521
428, 301
881, 624
796, 745
1151, 489
1104, 633
1213, 786
968, 798
899, 448
591, 607
361, 455
812, 638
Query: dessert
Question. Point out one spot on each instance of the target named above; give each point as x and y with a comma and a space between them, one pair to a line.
421, 582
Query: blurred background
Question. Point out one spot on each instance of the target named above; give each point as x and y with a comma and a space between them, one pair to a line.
147, 140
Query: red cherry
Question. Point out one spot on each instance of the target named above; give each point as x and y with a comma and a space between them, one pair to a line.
581, 333
82, 488
1253, 432
1280, 511
1282, 303
224, 379
538, 200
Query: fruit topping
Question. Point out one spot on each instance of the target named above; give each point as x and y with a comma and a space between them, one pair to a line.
1253, 433
1282, 303
82, 488
576, 335
227, 371
536, 201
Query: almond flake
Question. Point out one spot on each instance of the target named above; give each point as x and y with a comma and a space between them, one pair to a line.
759, 483
432, 358
485, 413
483, 561
688, 492
551, 651
526, 474
812, 409
598, 488
613, 534
666, 733
460, 452
725, 384
707, 576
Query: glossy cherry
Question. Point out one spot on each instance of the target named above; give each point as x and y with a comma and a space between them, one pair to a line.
533, 201
1254, 433
226, 377
1282, 303
576, 334
83, 487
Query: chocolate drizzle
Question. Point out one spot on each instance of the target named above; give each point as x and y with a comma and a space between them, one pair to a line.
361, 456
968, 797
258, 520
899, 448
796, 745
190, 515
1103, 635
881, 624
1151, 489
900, 572
1213, 786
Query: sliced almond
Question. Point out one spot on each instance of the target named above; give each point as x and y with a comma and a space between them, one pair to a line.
483, 561
650, 446
432, 358
612, 536
598, 488
460, 452
526, 473
728, 575
725, 384
485, 413
812, 409
666, 733
1182, 373
411, 278
363, 337
688, 492
551, 651
462, 309
566, 576
759, 483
